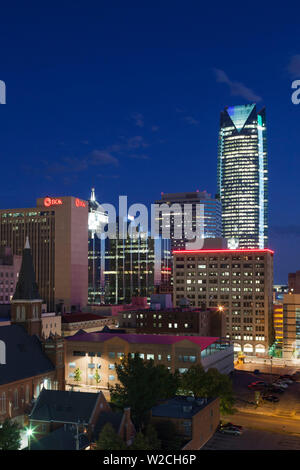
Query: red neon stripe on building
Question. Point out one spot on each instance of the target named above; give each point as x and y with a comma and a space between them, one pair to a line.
245, 250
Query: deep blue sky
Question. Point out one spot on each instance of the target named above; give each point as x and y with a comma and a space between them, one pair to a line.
126, 96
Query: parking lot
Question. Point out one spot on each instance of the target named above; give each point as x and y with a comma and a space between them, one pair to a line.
288, 405
253, 440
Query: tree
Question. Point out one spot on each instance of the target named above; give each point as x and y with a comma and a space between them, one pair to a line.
151, 435
167, 434
109, 440
147, 440
210, 384
141, 442
142, 385
97, 377
77, 375
193, 380
10, 435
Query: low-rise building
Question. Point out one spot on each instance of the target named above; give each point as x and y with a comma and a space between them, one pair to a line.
70, 420
175, 321
91, 352
195, 419
73, 322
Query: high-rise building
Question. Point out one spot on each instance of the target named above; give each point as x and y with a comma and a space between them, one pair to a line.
57, 229
134, 266
97, 221
294, 283
9, 270
239, 282
243, 176
211, 219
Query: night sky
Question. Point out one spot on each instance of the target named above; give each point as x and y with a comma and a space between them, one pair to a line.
126, 96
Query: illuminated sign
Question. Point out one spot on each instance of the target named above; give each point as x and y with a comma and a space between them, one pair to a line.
49, 201
79, 203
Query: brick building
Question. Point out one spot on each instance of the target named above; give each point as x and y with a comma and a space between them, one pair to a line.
73, 420
27, 363
195, 419
175, 321
73, 322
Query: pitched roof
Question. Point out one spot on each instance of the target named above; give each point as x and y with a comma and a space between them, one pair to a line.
24, 355
26, 288
64, 406
202, 341
60, 439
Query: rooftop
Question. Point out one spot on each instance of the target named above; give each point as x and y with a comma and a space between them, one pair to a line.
223, 250
80, 317
180, 407
96, 337
64, 406
24, 355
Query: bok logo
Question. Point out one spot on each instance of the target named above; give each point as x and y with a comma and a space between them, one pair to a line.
2, 92
2, 352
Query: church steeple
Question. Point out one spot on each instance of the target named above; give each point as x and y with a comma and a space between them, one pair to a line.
26, 304
26, 288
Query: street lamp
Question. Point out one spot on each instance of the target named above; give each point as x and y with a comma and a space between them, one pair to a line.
29, 433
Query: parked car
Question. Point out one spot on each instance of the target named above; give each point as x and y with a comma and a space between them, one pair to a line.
271, 398
279, 386
259, 385
281, 383
233, 430
286, 380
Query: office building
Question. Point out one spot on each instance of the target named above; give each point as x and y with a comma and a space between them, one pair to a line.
243, 176
133, 267
9, 270
211, 218
101, 351
96, 252
294, 283
278, 323
57, 229
291, 326
239, 282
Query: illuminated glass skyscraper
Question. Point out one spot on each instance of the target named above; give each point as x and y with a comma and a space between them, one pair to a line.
243, 176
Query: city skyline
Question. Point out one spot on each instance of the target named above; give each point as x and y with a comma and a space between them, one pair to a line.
104, 116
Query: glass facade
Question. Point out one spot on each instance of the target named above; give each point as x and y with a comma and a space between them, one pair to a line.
212, 216
243, 176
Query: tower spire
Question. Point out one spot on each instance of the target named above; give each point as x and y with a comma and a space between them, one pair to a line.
93, 197
27, 245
